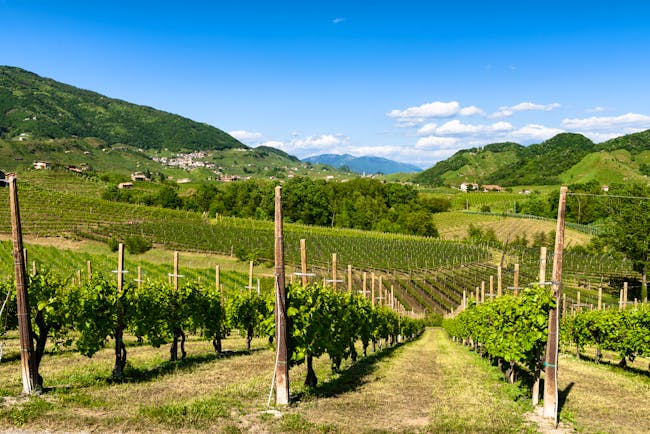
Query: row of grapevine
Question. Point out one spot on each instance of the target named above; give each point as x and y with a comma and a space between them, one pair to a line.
624, 331
509, 328
87, 316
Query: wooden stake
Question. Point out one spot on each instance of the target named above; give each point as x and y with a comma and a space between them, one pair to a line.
250, 277
372, 286
483, 291
476, 295
175, 271
578, 307
139, 277
282, 365
79, 277
516, 279
365, 281
625, 298
217, 277
499, 282
303, 261
34, 268
491, 287
27, 365
89, 270
350, 278
552, 344
542, 265
334, 271
600, 297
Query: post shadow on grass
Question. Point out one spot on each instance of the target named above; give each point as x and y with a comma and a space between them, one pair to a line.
562, 396
351, 378
141, 375
616, 365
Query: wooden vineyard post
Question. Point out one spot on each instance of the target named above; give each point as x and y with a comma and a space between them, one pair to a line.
542, 265
139, 277
175, 276
27, 365
464, 299
382, 301
477, 295
350, 278
250, 277
552, 344
217, 278
33, 268
372, 288
365, 283
516, 279
625, 295
334, 271
89, 270
303, 262
499, 282
392, 297
483, 291
578, 306
491, 287
120, 348
620, 299
281, 365
600, 297
79, 277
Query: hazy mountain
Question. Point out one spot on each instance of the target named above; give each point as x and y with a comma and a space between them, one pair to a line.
369, 165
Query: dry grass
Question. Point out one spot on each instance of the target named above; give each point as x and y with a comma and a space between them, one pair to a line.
604, 398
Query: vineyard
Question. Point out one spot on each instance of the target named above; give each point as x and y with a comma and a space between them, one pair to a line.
368, 293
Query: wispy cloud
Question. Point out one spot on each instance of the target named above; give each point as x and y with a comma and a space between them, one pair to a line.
507, 111
624, 123
244, 135
597, 109
338, 20
437, 109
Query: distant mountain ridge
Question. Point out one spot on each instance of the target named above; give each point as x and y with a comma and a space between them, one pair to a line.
365, 164
564, 158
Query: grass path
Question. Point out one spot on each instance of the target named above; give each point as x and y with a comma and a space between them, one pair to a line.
430, 385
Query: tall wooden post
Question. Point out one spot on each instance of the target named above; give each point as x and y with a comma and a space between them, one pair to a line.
250, 277
334, 271
350, 278
625, 298
516, 279
139, 277
372, 288
365, 283
578, 304
491, 287
217, 277
392, 297
27, 365
550, 372
600, 297
303, 261
482, 291
499, 282
175, 271
281, 366
542, 265
89, 269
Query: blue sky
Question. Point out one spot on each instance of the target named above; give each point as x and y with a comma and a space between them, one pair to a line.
413, 80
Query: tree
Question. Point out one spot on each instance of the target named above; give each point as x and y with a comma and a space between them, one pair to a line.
628, 230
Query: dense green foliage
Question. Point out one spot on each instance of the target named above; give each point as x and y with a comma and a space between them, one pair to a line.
47, 109
512, 328
622, 331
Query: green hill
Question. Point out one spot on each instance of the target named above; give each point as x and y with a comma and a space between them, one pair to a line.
564, 158
37, 107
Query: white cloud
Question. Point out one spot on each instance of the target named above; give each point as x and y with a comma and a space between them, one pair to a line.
535, 132
471, 111
318, 141
456, 127
274, 144
427, 129
436, 142
338, 20
597, 109
626, 122
245, 135
506, 111
436, 109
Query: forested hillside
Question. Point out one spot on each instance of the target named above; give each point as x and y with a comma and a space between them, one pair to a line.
37, 107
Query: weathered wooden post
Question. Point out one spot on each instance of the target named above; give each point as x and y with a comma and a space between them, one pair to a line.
334, 271
491, 287
477, 295
483, 291
89, 270
250, 277
350, 278
79, 277
499, 282
303, 261
578, 305
139, 277
550, 372
625, 297
27, 365
542, 265
372, 287
620, 300
516, 279
600, 297
217, 277
365, 281
282, 365
175, 277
